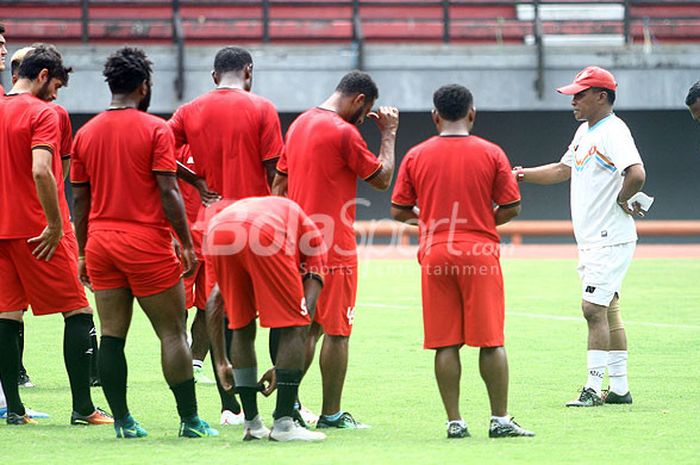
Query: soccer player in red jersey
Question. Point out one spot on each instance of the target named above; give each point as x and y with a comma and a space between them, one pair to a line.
323, 157
37, 245
125, 247
268, 257
456, 178
66, 142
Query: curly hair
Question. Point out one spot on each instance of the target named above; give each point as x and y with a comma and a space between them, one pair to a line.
44, 56
126, 69
358, 82
453, 101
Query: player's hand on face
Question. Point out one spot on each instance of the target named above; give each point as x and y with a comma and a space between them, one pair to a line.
225, 373
47, 241
387, 118
207, 195
269, 381
189, 261
83, 275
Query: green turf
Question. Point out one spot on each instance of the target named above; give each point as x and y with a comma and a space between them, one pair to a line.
390, 384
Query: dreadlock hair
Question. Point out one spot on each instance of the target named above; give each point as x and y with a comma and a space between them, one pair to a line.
126, 69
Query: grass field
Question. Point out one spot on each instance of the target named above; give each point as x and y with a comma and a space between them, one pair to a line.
390, 383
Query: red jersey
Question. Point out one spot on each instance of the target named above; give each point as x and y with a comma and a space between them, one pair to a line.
271, 225
190, 195
118, 153
455, 181
65, 130
323, 156
26, 123
231, 132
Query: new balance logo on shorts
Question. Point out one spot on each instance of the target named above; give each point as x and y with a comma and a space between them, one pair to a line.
590, 289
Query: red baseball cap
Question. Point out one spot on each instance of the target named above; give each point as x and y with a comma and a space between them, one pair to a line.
592, 76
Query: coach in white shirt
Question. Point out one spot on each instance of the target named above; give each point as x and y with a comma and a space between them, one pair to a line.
605, 169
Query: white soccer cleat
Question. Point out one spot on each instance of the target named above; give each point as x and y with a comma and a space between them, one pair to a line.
309, 417
200, 377
254, 429
285, 429
228, 418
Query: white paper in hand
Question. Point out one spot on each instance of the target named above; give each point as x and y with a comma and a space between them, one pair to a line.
642, 199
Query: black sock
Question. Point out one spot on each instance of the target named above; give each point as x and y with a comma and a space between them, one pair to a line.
228, 400
185, 398
113, 373
249, 399
94, 372
22, 369
9, 364
287, 389
76, 354
274, 343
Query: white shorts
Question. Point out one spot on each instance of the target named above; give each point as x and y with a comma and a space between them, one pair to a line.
602, 270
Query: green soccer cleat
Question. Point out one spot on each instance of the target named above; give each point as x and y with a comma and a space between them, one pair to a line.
508, 430
128, 428
345, 421
195, 427
588, 398
610, 397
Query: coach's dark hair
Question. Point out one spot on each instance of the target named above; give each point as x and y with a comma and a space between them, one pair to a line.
44, 56
358, 82
693, 94
230, 59
126, 69
2, 28
609, 92
453, 101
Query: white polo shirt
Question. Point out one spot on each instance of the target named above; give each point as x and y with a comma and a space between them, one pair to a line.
598, 156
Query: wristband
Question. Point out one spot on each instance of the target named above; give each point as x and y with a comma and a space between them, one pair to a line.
519, 173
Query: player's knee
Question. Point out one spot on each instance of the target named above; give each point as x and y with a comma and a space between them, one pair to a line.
593, 313
614, 316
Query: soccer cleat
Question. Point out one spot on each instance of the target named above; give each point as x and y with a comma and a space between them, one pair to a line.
309, 418
345, 421
24, 381
31, 413
610, 397
255, 429
128, 428
509, 430
457, 429
588, 398
98, 417
15, 419
200, 377
195, 427
286, 429
228, 418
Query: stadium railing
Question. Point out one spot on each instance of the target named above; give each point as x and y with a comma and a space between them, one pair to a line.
400, 233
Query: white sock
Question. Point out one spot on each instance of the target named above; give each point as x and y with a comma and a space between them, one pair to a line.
617, 371
460, 422
3, 402
501, 420
196, 363
597, 361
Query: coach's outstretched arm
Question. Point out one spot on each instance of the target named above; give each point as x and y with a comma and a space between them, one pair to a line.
174, 209
552, 173
387, 119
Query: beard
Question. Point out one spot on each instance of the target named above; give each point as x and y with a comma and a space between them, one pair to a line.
44, 92
355, 118
146, 102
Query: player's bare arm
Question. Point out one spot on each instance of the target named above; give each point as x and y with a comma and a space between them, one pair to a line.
82, 201
387, 119
45, 183
634, 178
553, 173
215, 328
405, 214
279, 185
505, 213
65, 167
207, 195
174, 209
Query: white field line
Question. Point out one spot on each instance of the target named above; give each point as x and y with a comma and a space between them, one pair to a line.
542, 316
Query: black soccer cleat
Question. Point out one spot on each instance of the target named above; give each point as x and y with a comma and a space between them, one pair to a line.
457, 430
509, 430
588, 398
611, 397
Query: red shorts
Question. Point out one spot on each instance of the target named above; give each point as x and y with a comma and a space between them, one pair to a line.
196, 291
49, 287
463, 300
335, 311
268, 286
143, 261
